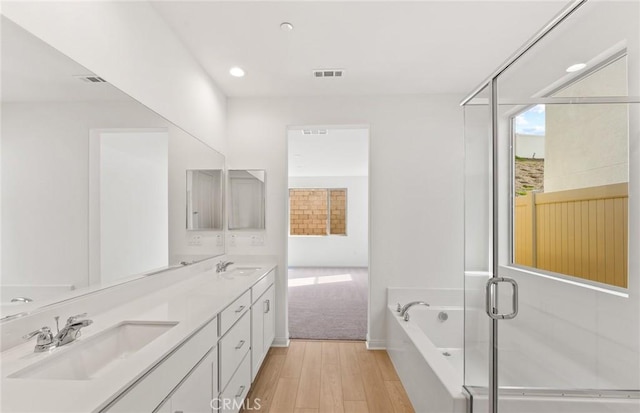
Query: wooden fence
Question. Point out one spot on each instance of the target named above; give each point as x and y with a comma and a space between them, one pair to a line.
580, 232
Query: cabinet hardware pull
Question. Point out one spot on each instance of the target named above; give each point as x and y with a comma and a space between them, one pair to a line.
240, 344
267, 306
240, 391
240, 309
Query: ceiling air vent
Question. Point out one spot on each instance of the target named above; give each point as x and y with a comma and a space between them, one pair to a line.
314, 131
328, 73
90, 78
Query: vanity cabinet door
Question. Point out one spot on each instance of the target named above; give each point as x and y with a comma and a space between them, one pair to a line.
257, 337
269, 321
262, 329
196, 392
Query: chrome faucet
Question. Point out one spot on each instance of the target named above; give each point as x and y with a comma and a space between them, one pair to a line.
70, 332
404, 308
45, 339
222, 266
21, 300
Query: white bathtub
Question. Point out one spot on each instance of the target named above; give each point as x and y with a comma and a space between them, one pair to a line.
434, 381
427, 354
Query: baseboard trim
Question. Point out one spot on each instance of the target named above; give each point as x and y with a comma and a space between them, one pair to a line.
280, 342
376, 344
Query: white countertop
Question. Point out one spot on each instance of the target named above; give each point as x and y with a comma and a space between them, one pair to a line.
192, 303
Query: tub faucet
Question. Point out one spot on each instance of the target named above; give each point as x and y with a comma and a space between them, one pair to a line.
403, 310
222, 266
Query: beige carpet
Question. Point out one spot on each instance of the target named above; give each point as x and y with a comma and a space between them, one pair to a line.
328, 303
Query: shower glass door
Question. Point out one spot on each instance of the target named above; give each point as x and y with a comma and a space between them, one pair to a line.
478, 239
564, 120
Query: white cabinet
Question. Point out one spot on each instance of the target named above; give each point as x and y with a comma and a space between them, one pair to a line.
233, 347
234, 311
199, 388
213, 370
150, 391
232, 398
262, 328
269, 332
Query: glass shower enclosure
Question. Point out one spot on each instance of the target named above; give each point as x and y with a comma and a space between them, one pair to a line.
552, 220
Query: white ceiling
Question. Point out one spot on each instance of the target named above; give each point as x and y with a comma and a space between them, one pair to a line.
341, 152
386, 47
33, 71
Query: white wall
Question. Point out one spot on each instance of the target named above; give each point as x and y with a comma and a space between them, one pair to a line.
129, 45
335, 250
529, 146
415, 185
133, 234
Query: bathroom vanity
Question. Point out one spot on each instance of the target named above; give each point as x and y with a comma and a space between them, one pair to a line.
193, 346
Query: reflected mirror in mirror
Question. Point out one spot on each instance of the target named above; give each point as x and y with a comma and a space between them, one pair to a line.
93, 182
247, 202
204, 199
571, 178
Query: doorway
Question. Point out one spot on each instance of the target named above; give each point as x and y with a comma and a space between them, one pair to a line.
328, 228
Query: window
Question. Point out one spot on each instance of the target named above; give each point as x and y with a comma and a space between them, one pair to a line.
570, 186
318, 212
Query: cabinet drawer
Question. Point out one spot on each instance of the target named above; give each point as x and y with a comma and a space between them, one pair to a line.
233, 348
151, 389
231, 399
234, 311
261, 286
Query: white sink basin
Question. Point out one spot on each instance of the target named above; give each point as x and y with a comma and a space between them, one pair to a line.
243, 270
92, 358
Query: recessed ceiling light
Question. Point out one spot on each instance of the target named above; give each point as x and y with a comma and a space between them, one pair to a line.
576, 67
286, 27
236, 72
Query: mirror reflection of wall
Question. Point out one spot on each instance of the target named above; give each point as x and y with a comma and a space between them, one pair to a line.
132, 170
93, 182
246, 193
204, 193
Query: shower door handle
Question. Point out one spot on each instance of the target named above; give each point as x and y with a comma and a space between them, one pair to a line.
491, 308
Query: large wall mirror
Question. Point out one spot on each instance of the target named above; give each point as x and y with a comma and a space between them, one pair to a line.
93, 182
571, 109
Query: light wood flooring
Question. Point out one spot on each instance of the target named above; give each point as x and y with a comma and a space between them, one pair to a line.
328, 377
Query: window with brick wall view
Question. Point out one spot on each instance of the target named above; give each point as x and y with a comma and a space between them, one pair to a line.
318, 211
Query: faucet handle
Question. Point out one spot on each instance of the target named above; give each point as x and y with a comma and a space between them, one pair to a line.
399, 308
41, 331
74, 318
